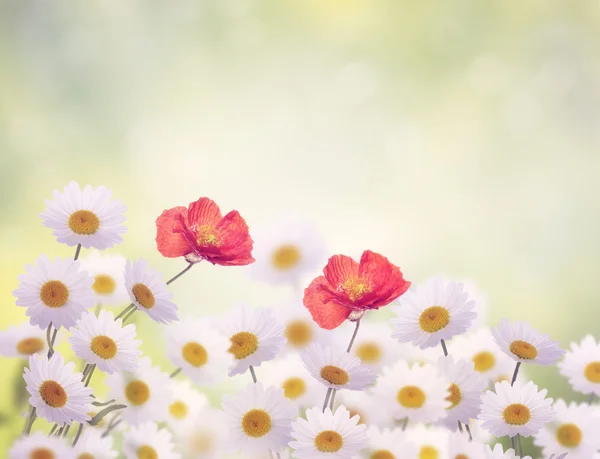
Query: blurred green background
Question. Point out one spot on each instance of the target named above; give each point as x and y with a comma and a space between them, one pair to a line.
457, 137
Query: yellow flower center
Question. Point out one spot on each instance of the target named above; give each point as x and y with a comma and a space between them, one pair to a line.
137, 392
53, 394
523, 350
54, 294
355, 287
194, 354
411, 397
243, 344
85, 456
143, 295
206, 235
286, 257
484, 361
592, 372
178, 409
256, 423
30, 346
147, 452
568, 435
461, 456
428, 452
298, 333
433, 319
369, 352
334, 375
455, 396
516, 414
502, 378
361, 417
293, 388
104, 347
329, 441
201, 443
84, 222
104, 284
42, 453
382, 454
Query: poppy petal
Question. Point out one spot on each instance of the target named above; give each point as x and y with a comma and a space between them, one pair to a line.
204, 212
325, 311
169, 228
339, 269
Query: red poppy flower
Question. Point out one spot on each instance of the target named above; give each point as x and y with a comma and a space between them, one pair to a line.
350, 287
201, 233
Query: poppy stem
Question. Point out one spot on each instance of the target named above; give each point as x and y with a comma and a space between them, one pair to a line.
516, 372
444, 347
353, 336
177, 276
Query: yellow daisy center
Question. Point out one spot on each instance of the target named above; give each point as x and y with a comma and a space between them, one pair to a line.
30, 346
256, 423
502, 378
137, 392
433, 319
516, 414
194, 354
243, 344
201, 442
592, 372
382, 454
53, 394
334, 375
54, 294
428, 452
84, 222
207, 235
298, 333
42, 453
523, 350
411, 397
104, 284
104, 347
568, 435
146, 452
329, 441
461, 456
85, 456
484, 361
178, 409
361, 417
143, 295
293, 388
355, 287
455, 396
369, 352
286, 257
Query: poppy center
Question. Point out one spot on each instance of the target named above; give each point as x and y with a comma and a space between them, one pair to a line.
84, 222
42, 453
523, 350
298, 333
428, 452
194, 354
592, 372
334, 375
329, 441
54, 294
137, 392
294, 388
355, 288
30, 346
104, 347
104, 284
568, 435
455, 396
484, 361
369, 352
143, 295
53, 394
146, 452
206, 235
178, 409
434, 318
516, 414
286, 257
243, 344
382, 454
256, 423
411, 397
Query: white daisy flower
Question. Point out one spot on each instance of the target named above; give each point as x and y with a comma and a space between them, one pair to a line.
54, 291
108, 272
515, 410
466, 388
145, 391
258, 419
23, 340
85, 217
56, 391
328, 435
434, 311
299, 329
418, 392
361, 403
374, 345
575, 431
479, 434
389, 444
38, 445
285, 251
92, 445
431, 442
148, 292
147, 441
461, 447
581, 366
206, 437
336, 369
499, 453
186, 404
525, 344
481, 302
199, 349
290, 374
255, 337
104, 341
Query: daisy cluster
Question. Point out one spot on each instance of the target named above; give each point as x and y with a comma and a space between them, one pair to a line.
321, 376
